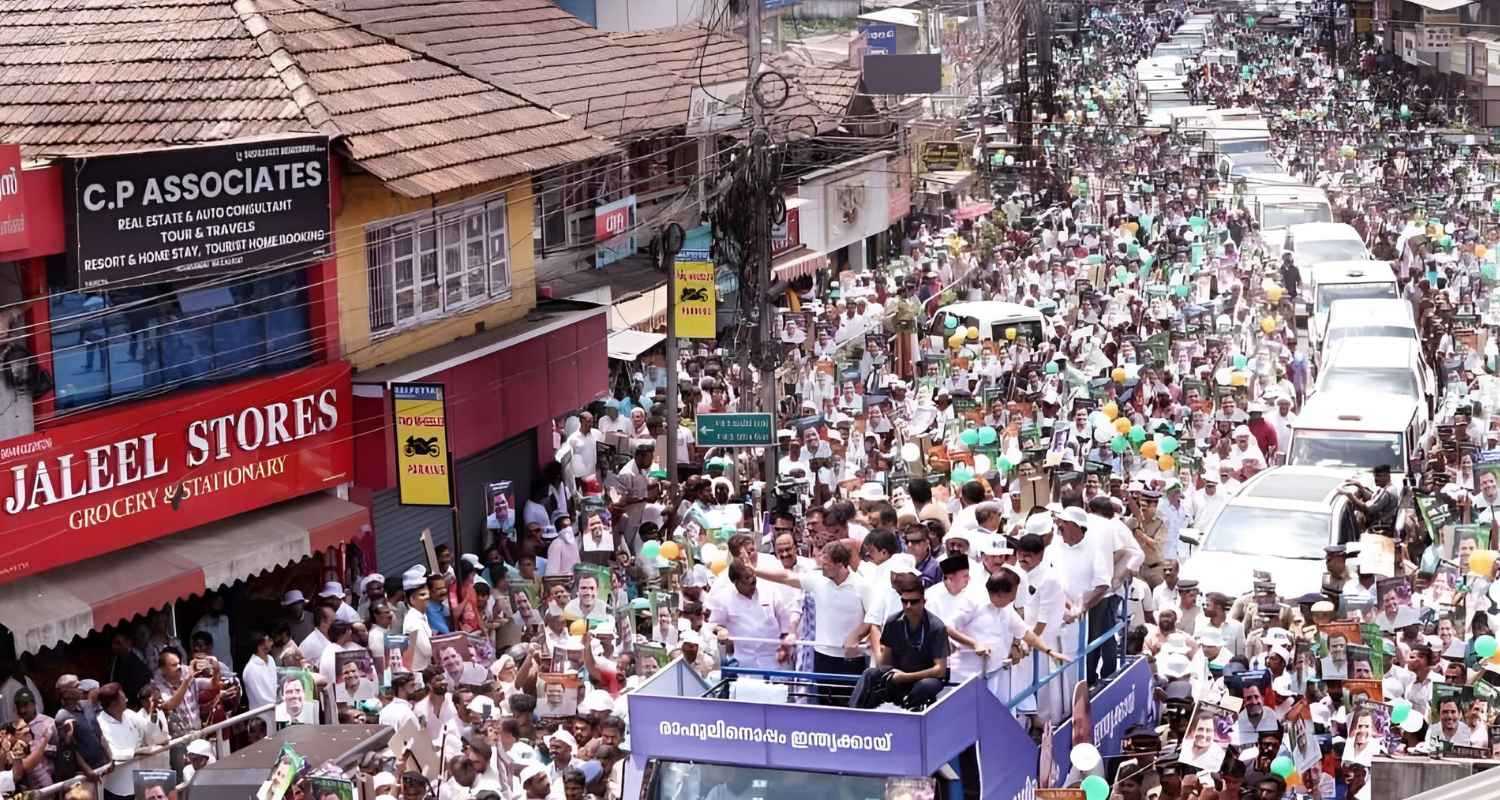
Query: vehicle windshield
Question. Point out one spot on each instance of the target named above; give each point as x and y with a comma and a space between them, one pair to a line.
674, 780
1285, 215
1329, 292
1253, 531
1255, 168
1361, 450
1317, 251
1347, 331
1245, 146
1371, 381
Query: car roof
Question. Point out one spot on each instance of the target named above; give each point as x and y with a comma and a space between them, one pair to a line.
1371, 352
991, 310
1291, 489
1370, 311
1353, 272
1343, 411
1290, 194
1323, 231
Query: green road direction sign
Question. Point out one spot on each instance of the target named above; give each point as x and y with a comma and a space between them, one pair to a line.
735, 430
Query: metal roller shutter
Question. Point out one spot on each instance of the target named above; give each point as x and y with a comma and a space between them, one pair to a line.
398, 531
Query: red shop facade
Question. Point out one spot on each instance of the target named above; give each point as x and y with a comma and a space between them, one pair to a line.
504, 388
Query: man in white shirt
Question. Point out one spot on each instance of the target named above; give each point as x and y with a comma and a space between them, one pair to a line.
259, 674
752, 620
996, 627
1042, 609
126, 735
584, 444
1085, 570
399, 711
216, 624
415, 626
332, 592
312, 646
840, 617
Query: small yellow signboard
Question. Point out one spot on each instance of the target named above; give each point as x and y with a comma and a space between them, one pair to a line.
696, 303
424, 464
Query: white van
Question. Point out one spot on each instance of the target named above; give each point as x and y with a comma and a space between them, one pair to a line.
1357, 431
1381, 368
1348, 319
1237, 138
1312, 243
1278, 207
992, 317
1335, 281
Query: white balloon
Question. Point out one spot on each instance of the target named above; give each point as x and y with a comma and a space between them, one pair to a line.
709, 553
1085, 757
909, 452
981, 463
1412, 723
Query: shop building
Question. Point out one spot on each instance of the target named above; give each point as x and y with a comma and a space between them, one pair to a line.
190, 361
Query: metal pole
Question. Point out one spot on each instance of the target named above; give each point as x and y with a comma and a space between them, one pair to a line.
984, 109
760, 218
674, 396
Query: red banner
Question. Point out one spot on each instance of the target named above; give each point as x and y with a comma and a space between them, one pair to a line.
14, 234
159, 467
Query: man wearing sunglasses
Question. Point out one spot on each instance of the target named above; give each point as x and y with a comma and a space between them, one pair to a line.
913, 652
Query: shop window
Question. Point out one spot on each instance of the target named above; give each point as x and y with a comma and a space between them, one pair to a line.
117, 344
425, 267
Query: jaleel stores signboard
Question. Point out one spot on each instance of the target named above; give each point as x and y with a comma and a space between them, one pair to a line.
101, 484
197, 212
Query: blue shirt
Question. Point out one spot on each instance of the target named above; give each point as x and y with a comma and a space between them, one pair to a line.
437, 618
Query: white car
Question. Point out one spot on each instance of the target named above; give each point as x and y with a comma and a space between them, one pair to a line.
1277, 523
1312, 243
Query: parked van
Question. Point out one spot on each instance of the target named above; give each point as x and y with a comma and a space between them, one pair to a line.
1357, 431
1237, 138
992, 317
1335, 281
1312, 243
1381, 368
1349, 319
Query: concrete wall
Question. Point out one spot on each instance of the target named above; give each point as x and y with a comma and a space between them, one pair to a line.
366, 200
639, 15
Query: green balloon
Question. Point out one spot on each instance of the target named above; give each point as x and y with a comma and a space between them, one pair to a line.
950, 323
1051, 368
1003, 465
1283, 767
650, 550
962, 475
1095, 788
1240, 362
969, 437
1119, 444
987, 435
1489, 270
1484, 646
1181, 290
1137, 434
1400, 710
1168, 445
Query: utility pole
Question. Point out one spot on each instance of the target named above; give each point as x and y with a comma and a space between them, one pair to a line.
670, 242
984, 107
760, 239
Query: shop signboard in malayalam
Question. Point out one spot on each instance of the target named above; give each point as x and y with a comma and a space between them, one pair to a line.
614, 231
937, 156
14, 234
786, 236
697, 304
197, 212
79, 490
880, 38
424, 461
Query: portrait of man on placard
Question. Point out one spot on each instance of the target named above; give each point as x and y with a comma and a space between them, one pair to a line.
355, 671
296, 696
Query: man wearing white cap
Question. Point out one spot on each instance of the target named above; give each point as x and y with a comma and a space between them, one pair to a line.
200, 753
334, 591
1244, 448
416, 627
536, 782
1211, 497
1282, 418
1085, 569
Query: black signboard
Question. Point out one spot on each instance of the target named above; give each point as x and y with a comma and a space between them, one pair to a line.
941, 155
197, 212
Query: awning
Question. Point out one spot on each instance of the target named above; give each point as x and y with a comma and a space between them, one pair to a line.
55, 607
1440, 5
797, 264
628, 345
973, 211
948, 178
646, 312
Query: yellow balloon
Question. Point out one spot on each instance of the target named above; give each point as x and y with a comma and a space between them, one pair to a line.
956, 340
1010, 334
1122, 425
1239, 379
1482, 562
1480, 251
670, 551
1119, 374
973, 333
1148, 450
1166, 462
718, 566
1275, 293
1111, 410
1268, 324
578, 628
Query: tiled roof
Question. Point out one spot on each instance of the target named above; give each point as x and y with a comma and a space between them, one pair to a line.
696, 56
537, 48
85, 76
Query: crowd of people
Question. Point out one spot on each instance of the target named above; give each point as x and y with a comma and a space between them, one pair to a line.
955, 498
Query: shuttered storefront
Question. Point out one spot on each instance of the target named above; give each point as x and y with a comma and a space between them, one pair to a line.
398, 528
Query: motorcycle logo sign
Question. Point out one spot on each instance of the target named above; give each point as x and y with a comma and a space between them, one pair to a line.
424, 465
